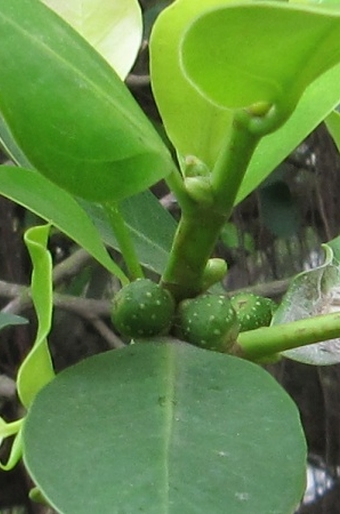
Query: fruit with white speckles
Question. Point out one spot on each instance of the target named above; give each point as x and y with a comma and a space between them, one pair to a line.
142, 309
253, 311
208, 321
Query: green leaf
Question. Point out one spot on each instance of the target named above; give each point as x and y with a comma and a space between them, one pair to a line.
50, 202
7, 319
166, 428
76, 123
9, 429
152, 228
10, 146
202, 125
318, 101
270, 66
312, 293
143, 214
37, 368
333, 125
114, 28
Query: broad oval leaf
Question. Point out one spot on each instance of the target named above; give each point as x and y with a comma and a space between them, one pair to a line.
281, 49
166, 428
76, 123
114, 28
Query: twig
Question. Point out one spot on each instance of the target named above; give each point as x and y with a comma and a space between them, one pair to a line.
70, 266
269, 289
7, 387
109, 336
137, 81
62, 271
85, 307
168, 201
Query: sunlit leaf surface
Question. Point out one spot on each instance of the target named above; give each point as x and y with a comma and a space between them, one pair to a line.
114, 28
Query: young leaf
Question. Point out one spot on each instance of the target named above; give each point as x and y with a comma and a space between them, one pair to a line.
9, 429
114, 28
166, 428
76, 123
270, 66
320, 98
50, 202
312, 293
37, 369
202, 125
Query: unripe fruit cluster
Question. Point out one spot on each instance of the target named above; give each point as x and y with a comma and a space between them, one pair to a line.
145, 309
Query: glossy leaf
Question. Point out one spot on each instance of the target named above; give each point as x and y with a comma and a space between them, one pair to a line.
270, 65
312, 293
151, 226
166, 428
50, 202
204, 126
37, 368
76, 123
114, 28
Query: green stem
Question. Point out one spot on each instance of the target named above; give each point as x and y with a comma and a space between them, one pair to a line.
202, 218
176, 184
194, 242
262, 342
232, 163
125, 243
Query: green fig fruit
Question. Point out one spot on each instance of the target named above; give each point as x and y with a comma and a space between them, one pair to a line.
142, 309
208, 321
252, 311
